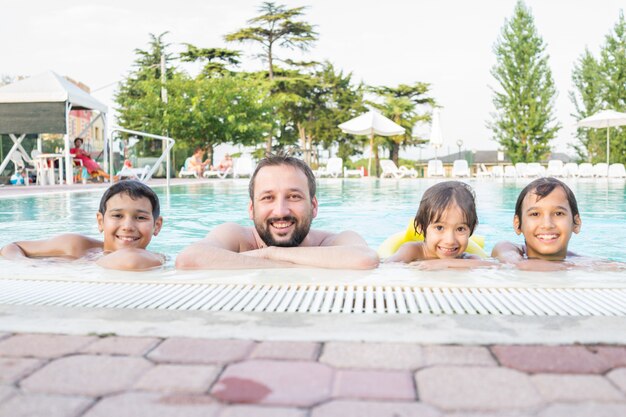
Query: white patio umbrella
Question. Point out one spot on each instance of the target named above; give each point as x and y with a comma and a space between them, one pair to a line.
605, 119
370, 124
436, 137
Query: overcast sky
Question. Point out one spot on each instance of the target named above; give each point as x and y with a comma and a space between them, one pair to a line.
442, 42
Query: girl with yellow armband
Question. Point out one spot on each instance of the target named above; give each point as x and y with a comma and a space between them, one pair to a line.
446, 219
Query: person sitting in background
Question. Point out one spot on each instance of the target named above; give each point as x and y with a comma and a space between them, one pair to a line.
225, 164
196, 163
92, 166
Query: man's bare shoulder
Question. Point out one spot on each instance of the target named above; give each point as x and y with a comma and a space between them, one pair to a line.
344, 238
232, 236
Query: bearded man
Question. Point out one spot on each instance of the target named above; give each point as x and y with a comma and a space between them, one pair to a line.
282, 207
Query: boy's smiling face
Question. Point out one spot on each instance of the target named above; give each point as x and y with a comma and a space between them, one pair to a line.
128, 223
547, 225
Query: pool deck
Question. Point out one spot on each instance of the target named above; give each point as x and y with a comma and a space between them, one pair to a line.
69, 362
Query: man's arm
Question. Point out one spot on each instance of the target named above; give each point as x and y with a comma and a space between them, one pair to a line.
131, 259
68, 245
345, 250
221, 250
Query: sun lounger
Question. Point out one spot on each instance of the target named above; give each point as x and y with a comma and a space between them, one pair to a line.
460, 168
617, 171
520, 169
244, 167
510, 171
216, 173
390, 169
555, 168
585, 170
535, 170
185, 171
435, 168
334, 168
570, 169
600, 170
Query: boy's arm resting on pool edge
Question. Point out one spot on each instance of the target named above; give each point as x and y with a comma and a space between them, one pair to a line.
345, 250
67, 245
221, 249
131, 259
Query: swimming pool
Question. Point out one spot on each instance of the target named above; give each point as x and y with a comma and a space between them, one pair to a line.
373, 208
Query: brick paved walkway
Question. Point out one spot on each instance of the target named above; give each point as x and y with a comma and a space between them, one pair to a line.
66, 376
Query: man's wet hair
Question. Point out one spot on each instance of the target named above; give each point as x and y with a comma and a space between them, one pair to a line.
542, 187
278, 160
135, 190
441, 196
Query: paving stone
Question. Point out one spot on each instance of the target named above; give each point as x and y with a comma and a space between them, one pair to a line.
87, 375
475, 388
299, 384
372, 355
584, 410
30, 405
374, 385
13, 369
343, 408
618, 377
178, 378
303, 351
579, 388
6, 392
138, 404
552, 359
117, 345
187, 350
615, 355
457, 355
43, 345
259, 411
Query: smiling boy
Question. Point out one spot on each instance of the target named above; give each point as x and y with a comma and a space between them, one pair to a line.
282, 206
128, 217
546, 213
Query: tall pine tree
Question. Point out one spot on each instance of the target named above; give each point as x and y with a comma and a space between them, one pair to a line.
523, 121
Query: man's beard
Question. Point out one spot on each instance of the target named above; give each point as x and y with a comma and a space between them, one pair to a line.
300, 231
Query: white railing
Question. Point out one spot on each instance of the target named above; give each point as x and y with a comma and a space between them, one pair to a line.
166, 152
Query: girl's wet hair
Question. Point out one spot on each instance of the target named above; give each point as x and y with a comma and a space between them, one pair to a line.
438, 198
542, 187
135, 190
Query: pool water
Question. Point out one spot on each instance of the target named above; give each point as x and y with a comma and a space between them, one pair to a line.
373, 208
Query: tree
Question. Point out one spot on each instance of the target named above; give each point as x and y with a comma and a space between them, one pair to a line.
401, 105
523, 122
217, 59
276, 26
601, 84
587, 100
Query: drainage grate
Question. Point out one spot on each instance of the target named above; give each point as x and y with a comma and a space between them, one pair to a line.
296, 298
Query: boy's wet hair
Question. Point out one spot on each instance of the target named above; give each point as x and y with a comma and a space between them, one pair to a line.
135, 190
542, 187
278, 160
438, 198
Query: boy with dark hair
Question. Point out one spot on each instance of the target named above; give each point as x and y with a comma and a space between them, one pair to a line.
546, 213
128, 217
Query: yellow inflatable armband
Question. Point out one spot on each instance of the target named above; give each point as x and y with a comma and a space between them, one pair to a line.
393, 243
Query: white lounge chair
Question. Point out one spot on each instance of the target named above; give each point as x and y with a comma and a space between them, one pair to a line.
483, 172
435, 168
20, 164
585, 170
390, 169
134, 173
510, 171
460, 168
216, 173
243, 167
570, 169
497, 171
185, 171
535, 170
334, 168
360, 172
520, 169
555, 168
600, 170
617, 171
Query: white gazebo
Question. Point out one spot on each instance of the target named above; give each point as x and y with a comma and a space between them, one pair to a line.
42, 104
